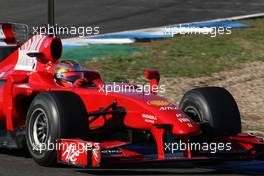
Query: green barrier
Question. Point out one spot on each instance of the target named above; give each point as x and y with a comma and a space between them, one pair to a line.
86, 53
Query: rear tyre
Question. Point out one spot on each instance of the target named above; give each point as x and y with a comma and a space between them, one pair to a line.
51, 116
214, 108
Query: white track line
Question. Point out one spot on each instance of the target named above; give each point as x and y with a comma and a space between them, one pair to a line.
86, 41
243, 17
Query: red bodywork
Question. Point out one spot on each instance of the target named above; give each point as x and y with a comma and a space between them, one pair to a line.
29, 70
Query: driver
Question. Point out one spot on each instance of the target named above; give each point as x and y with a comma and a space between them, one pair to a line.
69, 73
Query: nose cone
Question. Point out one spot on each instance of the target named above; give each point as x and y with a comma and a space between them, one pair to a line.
185, 126
157, 112
181, 124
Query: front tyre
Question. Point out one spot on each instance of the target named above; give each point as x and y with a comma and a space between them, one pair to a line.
214, 108
51, 116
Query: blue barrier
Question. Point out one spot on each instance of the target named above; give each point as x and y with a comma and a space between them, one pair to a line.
132, 35
145, 35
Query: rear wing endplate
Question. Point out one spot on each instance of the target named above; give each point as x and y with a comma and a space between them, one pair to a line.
12, 34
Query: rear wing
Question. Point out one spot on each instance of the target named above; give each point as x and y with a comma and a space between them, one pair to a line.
13, 34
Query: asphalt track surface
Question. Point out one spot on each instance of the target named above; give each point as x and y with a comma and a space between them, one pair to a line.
112, 16
118, 15
16, 163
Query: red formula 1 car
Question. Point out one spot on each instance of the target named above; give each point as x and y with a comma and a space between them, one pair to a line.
93, 125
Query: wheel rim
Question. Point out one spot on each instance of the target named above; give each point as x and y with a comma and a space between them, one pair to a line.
39, 128
193, 113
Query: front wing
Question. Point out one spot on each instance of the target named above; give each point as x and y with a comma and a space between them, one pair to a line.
81, 153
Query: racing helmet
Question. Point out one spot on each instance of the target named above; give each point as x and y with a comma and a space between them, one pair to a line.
68, 71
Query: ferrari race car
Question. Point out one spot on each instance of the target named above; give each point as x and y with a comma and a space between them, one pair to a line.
87, 127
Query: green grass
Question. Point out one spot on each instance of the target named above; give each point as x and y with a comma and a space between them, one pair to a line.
91, 52
187, 55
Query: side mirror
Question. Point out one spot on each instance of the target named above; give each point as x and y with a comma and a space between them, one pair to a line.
35, 54
94, 77
38, 55
153, 76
